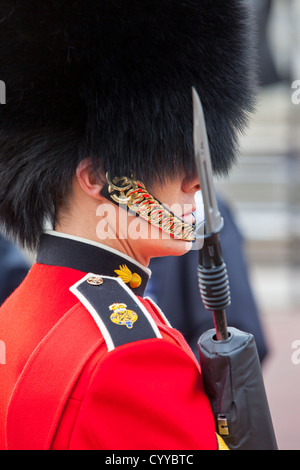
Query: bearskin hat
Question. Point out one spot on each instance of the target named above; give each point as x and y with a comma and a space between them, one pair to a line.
111, 80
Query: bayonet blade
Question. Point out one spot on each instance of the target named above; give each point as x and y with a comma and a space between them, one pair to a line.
213, 219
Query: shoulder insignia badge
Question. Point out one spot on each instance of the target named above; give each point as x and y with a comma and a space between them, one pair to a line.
122, 316
98, 294
133, 279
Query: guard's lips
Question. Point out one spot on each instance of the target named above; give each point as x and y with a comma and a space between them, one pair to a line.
189, 218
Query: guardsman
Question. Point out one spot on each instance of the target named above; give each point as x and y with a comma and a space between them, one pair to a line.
97, 174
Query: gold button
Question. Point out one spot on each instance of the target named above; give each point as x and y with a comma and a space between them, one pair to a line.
95, 280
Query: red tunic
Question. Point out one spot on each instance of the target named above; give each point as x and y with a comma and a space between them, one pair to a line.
146, 394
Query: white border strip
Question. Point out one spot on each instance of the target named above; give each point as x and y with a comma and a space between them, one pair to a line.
159, 311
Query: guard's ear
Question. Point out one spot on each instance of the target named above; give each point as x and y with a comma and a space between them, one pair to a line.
89, 180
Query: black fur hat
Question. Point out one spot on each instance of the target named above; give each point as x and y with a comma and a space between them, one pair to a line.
112, 79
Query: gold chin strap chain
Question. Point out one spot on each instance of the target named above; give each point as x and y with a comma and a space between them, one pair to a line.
133, 194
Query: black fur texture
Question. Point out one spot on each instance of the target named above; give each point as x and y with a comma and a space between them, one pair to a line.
111, 80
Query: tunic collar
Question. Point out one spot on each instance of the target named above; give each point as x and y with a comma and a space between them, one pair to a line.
68, 251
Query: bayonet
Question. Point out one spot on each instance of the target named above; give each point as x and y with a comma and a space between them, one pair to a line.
213, 219
212, 272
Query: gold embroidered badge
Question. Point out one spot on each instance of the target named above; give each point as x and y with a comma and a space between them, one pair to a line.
126, 275
122, 316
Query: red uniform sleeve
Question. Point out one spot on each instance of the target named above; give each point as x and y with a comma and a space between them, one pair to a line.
145, 395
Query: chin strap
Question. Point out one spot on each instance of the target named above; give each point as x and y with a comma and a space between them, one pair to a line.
133, 196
